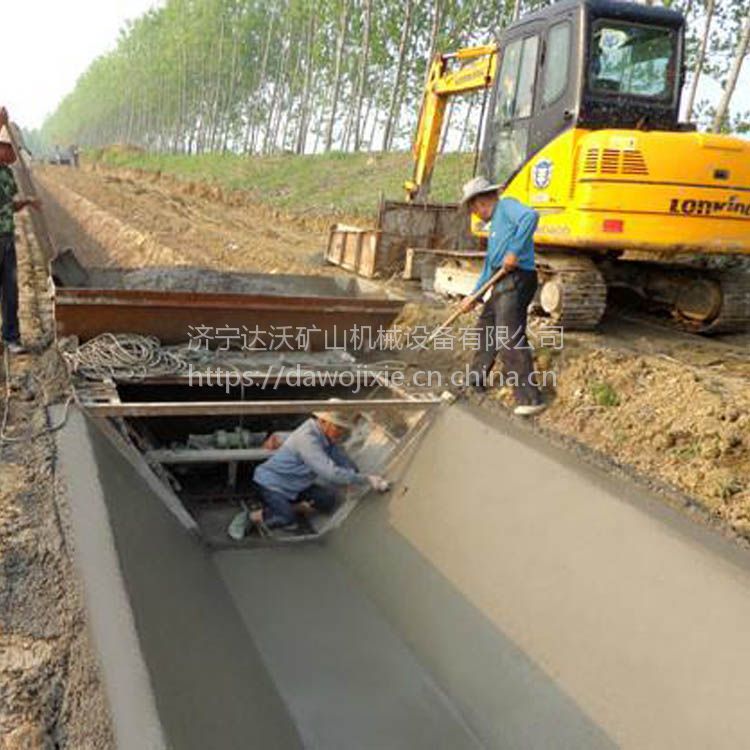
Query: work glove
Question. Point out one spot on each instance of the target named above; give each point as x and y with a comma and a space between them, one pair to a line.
378, 483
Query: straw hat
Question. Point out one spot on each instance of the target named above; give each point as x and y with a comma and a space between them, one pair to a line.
5, 136
477, 186
339, 418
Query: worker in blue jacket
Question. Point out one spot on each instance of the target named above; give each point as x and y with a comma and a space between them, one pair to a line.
503, 320
306, 469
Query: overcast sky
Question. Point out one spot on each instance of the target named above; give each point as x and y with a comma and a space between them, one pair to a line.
47, 44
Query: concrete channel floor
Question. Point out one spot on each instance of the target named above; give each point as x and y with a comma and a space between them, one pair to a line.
348, 679
504, 595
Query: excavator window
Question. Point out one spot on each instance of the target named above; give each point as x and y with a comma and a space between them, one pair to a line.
557, 62
526, 78
515, 102
632, 59
506, 103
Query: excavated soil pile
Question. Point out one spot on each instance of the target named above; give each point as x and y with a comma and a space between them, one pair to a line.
686, 425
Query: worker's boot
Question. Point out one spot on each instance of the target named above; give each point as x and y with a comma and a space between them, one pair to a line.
529, 410
15, 347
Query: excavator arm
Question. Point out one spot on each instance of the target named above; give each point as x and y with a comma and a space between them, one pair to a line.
476, 71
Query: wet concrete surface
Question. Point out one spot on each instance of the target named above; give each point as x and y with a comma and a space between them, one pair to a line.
503, 596
179, 667
554, 606
344, 672
192, 279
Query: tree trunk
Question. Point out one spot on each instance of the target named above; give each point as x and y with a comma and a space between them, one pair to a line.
395, 94
698, 69
467, 123
286, 102
447, 126
436, 17
229, 100
348, 123
373, 126
275, 99
363, 71
722, 111
318, 128
180, 135
516, 10
337, 74
214, 115
304, 110
248, 145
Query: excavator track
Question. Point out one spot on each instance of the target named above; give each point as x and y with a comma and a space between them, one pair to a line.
734, 315
573, 292
699, 300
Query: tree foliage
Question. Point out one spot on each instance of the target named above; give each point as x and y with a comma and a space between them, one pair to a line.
249, 76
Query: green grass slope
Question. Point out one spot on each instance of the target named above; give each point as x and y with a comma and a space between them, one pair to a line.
335, 183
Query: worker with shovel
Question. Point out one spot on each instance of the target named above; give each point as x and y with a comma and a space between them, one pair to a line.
9, 204
302, 475
502, 322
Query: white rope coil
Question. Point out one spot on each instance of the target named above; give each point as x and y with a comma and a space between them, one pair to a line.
124, 356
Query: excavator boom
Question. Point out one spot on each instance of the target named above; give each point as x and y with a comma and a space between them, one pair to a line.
475, 71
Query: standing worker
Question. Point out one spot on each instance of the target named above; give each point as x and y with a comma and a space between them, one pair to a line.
511, 247
304, 472
9, 204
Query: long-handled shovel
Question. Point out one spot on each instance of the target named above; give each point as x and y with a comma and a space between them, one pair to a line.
474, 297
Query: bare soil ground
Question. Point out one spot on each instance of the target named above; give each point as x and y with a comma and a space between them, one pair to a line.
145, 219
667, 405
50, 694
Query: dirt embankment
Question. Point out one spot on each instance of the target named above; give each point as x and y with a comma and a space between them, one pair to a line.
664, 404
687, 426
146, 219
50, 694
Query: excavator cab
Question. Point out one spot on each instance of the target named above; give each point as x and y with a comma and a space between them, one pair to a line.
582, 64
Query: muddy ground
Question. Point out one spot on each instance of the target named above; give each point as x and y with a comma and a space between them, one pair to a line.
661, 405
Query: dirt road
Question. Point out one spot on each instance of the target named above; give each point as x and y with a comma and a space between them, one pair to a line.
133, 220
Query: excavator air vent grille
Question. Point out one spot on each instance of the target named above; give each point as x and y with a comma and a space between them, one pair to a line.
614, 161
633, 163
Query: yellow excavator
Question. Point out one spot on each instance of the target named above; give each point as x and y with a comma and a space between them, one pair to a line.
582, 123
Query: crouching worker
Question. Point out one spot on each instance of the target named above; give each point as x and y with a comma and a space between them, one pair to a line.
304, 472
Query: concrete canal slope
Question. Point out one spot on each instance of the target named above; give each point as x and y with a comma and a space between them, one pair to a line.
503, 596
555, 607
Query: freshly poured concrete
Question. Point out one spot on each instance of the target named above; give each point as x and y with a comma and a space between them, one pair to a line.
535, 590
178, 665
347, 677
502, 596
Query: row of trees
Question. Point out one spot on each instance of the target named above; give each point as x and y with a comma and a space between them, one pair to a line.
314, 75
